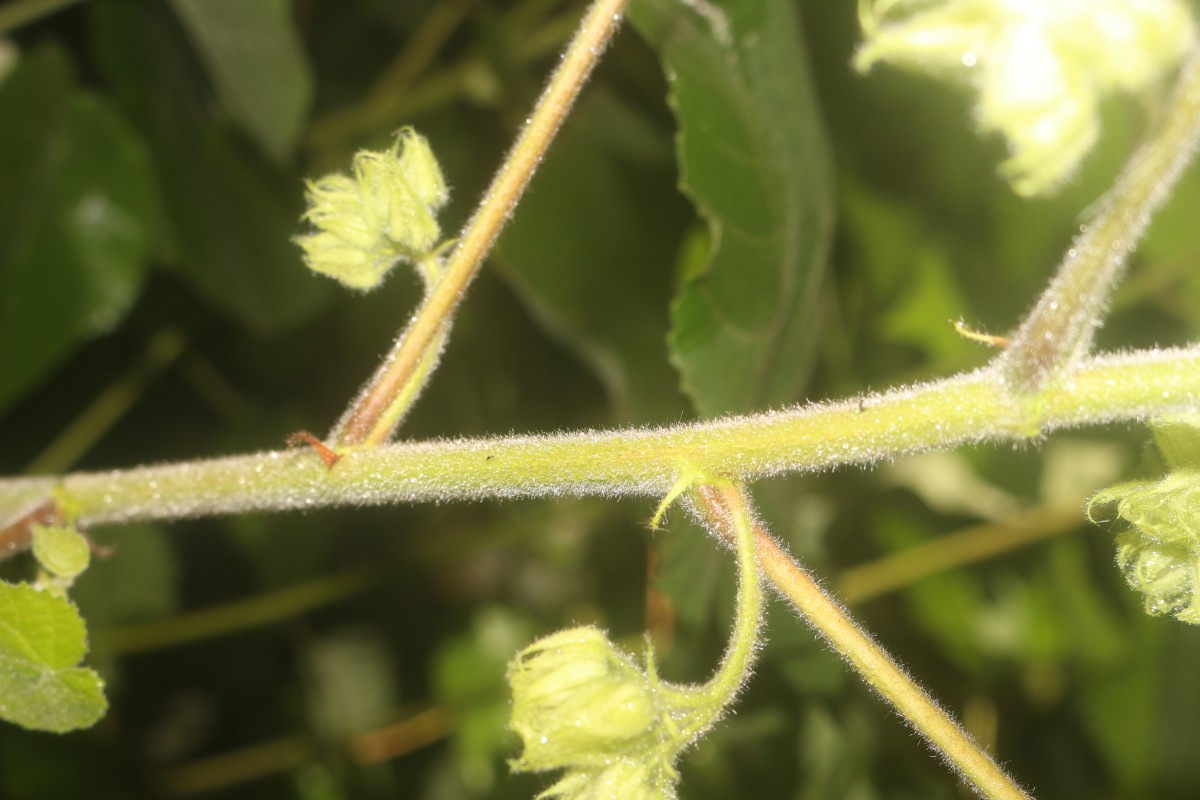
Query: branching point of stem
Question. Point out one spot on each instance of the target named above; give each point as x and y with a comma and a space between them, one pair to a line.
1058, 333
367, 421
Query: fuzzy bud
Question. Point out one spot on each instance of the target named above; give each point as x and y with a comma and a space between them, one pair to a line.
622, 780
1041, 69
1159, 554
579, 701
383, 214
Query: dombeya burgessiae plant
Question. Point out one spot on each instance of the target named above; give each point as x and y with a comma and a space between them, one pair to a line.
581, 705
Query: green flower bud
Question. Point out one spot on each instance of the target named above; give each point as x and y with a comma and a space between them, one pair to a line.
1040, 68
1165, 573
1159, 554
581, 704
579, 701
62, 552
384, 214
623, 780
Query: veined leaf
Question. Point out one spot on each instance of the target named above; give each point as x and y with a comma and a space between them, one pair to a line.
753, 160
42, 639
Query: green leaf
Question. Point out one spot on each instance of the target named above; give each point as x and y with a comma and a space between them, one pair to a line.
42, 639
229, 215
754, 162
253, 54
62, 552
78, 205
593, 266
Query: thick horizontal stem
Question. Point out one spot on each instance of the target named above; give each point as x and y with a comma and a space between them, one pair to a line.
966, 409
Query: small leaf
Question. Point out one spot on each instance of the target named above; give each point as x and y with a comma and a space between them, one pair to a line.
253, 54
63, 552
753, 160
42, 639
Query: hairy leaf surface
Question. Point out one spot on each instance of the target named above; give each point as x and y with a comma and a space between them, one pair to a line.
42, 639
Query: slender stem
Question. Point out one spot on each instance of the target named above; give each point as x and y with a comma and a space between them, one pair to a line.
733, 504
971, 545
881, 672
731, 518
232, 617
367, 421
1059, 330
962, 410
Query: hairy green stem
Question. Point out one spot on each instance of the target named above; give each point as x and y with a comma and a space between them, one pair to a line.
971, 408
728, 514
1058, 332
882, 673
370, 420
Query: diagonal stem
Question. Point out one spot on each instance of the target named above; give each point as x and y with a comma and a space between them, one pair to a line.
873, 664
369, 420
1058, 333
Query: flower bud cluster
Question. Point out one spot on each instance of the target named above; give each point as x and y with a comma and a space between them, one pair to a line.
382, 214
1159, 554
1040, 67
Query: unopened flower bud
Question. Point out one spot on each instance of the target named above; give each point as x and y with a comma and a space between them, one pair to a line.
383, 214
623, 780
1159, 554
579, 701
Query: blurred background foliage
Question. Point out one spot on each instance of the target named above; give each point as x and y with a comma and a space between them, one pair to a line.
153, 308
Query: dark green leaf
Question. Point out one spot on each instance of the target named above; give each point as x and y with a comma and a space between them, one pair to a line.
591, 251
254, 56
753, 160
230, 216
42, 639
77, 201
